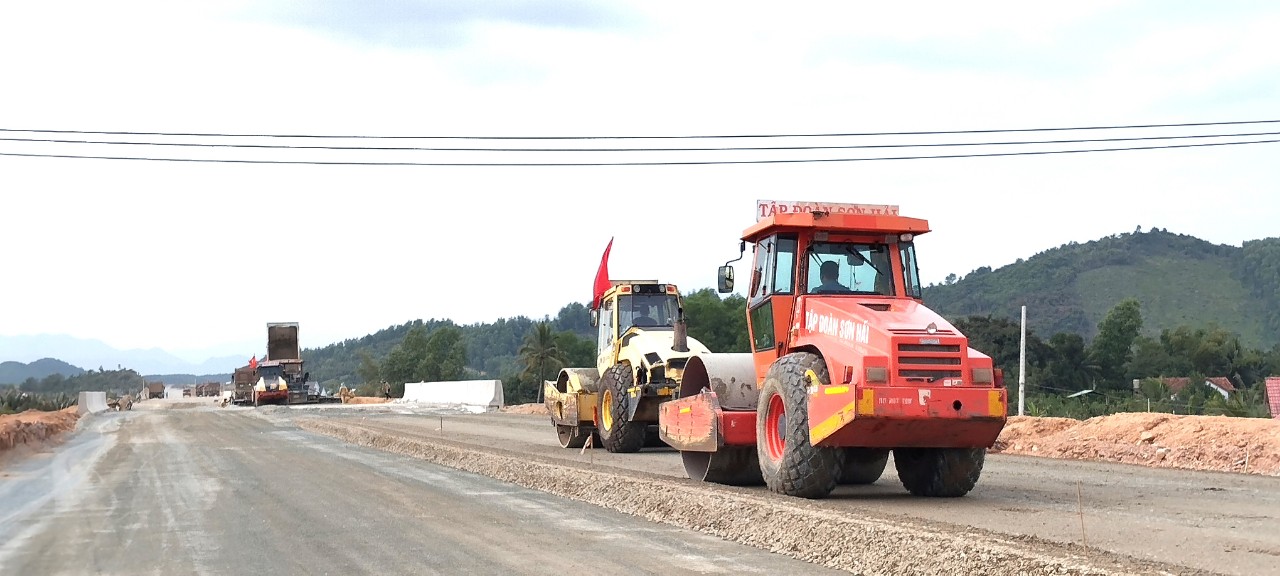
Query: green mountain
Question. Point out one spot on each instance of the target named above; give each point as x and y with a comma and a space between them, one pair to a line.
1178, 279
17, 372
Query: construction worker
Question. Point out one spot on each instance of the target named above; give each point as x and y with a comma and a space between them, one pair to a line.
640, 315
829, 273
386, 390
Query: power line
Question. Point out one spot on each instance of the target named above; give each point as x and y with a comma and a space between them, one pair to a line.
663, 163
700, 149
669, 137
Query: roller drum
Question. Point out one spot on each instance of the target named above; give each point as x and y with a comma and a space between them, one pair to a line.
731, 376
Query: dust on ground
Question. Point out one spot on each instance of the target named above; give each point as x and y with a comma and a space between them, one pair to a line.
525, 409
1212, 443
366, 400
34, 429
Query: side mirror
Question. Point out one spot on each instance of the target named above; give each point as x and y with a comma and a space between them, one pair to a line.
725, 279
595, 318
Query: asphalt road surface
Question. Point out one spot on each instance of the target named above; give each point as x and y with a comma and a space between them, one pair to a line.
207, 491
1206, 521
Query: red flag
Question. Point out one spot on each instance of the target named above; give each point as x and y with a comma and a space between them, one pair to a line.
253, 362
602, 277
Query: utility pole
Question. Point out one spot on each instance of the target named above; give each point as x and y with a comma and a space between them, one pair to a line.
1022, 362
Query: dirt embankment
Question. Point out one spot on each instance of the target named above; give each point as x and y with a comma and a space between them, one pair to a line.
525, 409
1213, 443
34, 428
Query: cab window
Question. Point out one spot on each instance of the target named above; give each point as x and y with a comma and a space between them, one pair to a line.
647, 310
606, 325
849, 268
774, 269
785, 265
761, 270
909, 269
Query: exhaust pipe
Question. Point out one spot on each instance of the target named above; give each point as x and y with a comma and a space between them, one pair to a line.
680, 342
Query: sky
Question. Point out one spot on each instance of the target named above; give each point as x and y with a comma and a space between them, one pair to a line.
196, 257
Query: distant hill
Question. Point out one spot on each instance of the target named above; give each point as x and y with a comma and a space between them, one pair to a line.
95, 354
1178, 279
17, 372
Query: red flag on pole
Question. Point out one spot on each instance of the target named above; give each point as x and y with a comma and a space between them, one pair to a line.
602, 277
253, 362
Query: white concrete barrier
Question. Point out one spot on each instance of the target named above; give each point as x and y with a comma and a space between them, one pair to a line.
473, 395
91, 402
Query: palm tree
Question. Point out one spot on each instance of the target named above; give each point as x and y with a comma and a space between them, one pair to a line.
540, 354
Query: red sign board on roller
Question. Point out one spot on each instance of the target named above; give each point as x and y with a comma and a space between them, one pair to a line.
767, 208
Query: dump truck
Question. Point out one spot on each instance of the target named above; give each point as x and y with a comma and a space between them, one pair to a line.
847, 365
279, 378
152, 390
243, 380
283, 351
643, 345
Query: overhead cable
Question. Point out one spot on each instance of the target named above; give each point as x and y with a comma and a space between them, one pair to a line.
668, 137
699, 149
654, 163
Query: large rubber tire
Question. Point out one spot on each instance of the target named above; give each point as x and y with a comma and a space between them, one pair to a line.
568, 439
939, 472
789, 464
616, 433
863, 465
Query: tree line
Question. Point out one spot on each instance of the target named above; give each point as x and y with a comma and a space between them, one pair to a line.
1064, 365
55, 391
520, 352
1101, 373
14, 401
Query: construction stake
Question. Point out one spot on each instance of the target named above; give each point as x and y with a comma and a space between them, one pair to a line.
1080, 510
1246, 459
589, 444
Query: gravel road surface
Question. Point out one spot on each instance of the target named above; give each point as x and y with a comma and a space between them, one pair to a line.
237, 491
1193, 521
